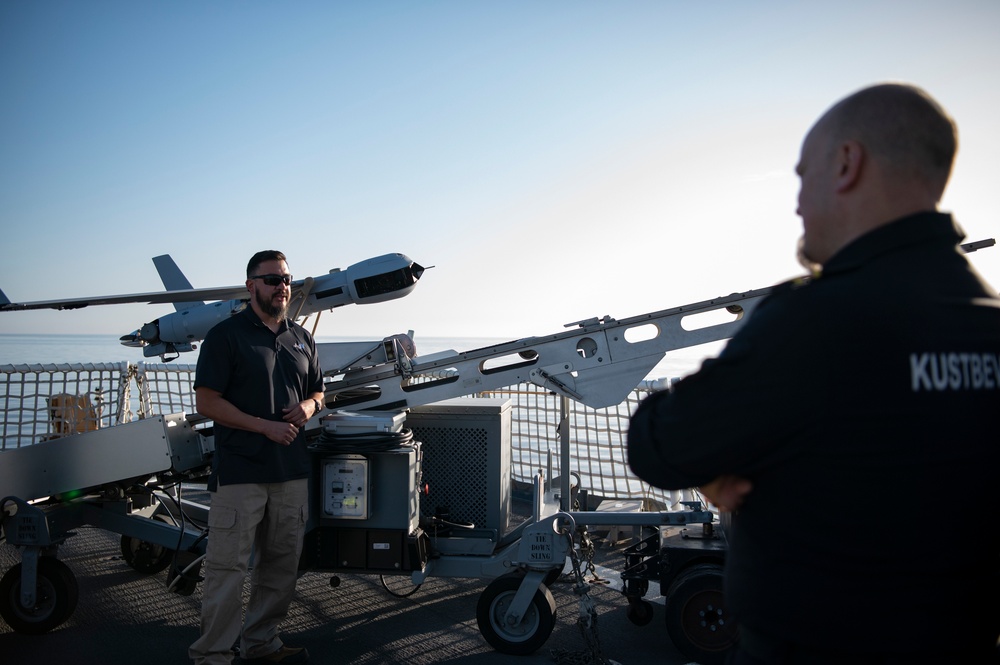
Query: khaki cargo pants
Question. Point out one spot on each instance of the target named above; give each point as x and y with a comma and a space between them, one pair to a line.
268, 519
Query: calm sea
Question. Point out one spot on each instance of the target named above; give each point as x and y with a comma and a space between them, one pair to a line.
18, 349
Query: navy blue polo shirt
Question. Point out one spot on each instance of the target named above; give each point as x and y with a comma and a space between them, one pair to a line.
260, 373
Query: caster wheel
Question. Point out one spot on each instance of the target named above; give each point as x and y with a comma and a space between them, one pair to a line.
146, 558
56, 594
526, 636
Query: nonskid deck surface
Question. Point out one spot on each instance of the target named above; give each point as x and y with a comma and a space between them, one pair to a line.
125, 617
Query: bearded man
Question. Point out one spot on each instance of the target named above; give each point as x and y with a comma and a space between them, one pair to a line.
259, 380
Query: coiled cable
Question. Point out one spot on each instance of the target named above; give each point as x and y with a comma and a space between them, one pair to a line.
364, 442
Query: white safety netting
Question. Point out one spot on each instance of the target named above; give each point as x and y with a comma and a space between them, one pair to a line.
45, 401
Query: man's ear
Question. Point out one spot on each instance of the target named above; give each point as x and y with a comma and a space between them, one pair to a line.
850, 162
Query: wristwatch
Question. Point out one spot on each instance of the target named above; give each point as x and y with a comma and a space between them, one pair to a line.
319, 406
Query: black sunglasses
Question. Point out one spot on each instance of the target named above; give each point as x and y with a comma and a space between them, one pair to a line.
274, 280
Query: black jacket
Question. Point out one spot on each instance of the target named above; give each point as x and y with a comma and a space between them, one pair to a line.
864, 406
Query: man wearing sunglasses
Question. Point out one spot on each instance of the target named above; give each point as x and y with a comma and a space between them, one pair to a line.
259, 380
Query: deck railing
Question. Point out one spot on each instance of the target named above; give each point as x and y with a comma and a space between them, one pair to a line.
96, 396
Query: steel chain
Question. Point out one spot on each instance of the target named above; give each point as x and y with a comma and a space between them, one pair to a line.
589, 550
587, 618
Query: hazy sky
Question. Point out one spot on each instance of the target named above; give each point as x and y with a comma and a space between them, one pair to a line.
554, 160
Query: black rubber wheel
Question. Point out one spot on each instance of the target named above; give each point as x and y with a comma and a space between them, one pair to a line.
640, 613
56, 595
534, 628
145, 557
696, 616
54, 566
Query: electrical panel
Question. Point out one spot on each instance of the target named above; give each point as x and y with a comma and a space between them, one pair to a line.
345, 487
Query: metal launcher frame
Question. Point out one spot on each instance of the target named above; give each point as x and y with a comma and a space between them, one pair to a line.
120, 478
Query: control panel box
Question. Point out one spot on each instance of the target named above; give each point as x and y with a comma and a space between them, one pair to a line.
373, 490
345, 487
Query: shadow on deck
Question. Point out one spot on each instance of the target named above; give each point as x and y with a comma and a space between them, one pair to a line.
125, 617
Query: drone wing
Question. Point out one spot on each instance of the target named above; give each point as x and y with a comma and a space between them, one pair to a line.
182, 295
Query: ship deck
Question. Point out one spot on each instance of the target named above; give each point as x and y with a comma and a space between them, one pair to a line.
125, 617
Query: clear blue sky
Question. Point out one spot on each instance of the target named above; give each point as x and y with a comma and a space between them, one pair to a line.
554, 160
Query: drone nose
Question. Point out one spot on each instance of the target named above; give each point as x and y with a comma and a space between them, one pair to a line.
132, 339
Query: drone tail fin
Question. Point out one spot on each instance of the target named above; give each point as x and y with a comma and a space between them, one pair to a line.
173, 279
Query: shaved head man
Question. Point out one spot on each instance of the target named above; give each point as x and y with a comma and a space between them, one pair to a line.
850, 426
882, 153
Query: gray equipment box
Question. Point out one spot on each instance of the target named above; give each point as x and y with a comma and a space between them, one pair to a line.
466, 459
389, 492
92, 459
